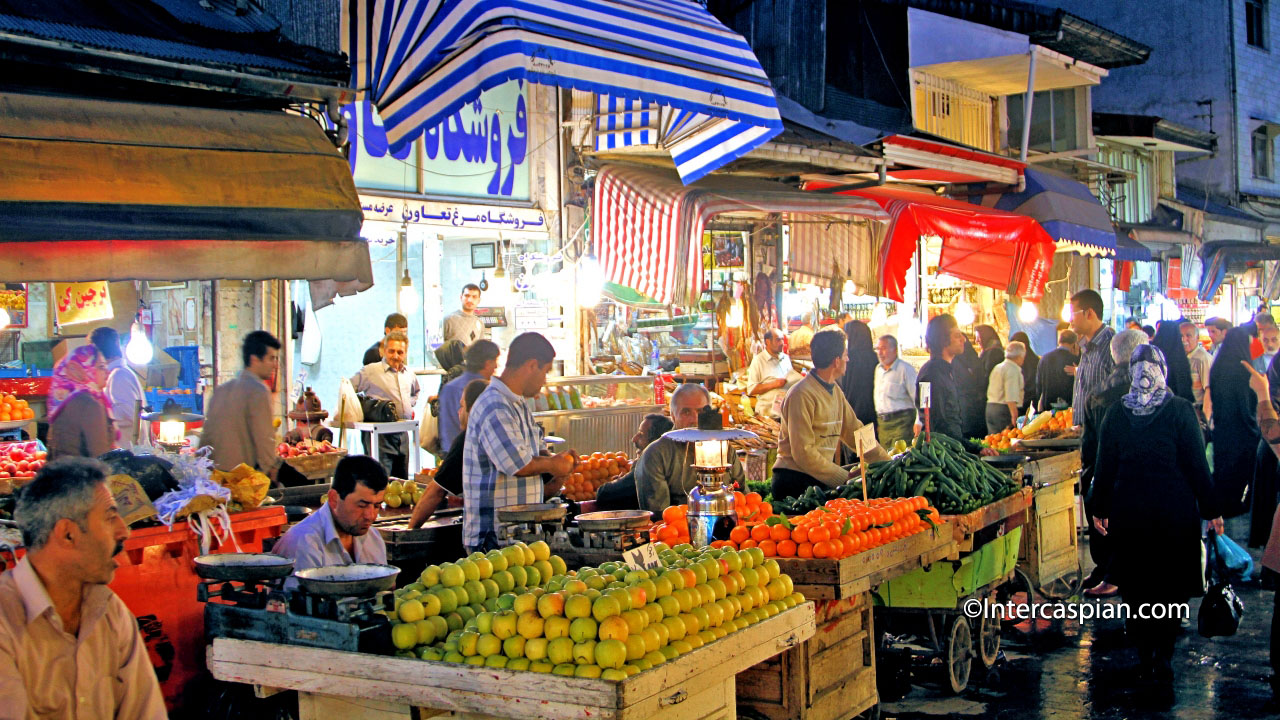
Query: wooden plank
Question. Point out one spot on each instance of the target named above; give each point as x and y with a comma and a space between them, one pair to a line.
829, 579
987, 515
716, 701
319, 707
506, 693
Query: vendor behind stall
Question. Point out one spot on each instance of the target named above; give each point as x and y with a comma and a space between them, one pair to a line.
664, 473
621, 494
68, 645
503, 457
770, 374
815, 420
237, 423
341, 532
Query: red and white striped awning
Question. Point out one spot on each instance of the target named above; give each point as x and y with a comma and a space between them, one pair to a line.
648, 227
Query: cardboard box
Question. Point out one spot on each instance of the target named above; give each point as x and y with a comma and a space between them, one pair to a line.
162, 371
66, 345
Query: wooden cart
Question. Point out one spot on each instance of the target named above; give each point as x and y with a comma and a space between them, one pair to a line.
1050, 554
833, 675
333, 684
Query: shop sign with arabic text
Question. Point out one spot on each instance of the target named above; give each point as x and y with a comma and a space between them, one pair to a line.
477, 217
481, 151
82, 302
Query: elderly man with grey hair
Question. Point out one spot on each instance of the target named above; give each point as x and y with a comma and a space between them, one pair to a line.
68, 645
1110, 393
664, 472
1005, 389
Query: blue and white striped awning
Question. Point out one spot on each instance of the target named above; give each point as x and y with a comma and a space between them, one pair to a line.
677, 77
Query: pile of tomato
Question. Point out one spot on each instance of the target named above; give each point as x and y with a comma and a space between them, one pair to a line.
838, 529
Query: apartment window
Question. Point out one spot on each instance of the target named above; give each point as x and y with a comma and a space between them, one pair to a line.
950, 110
1263, 162
1054, 120
1133, 199
1255, 22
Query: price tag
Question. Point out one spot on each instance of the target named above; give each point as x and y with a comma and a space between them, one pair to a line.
926, 397
864, 438
644, 557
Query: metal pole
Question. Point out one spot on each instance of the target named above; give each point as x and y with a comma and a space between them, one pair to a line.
1028, 103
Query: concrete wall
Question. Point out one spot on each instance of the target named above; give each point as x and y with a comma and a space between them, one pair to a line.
1257, 95
1191, 60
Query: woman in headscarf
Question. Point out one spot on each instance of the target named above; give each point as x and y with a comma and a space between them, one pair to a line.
1235, 429
79, 410
990, 351
1151, 489
1265, 470
1029, 367
449, 357
859, 378
971, 381
1169, 339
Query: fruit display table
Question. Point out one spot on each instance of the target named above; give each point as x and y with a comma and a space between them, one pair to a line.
699, 685
837, 579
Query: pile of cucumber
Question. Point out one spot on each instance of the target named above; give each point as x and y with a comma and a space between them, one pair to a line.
954, 481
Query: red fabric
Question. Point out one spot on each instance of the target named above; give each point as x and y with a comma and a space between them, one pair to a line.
1174, 275
1255, 348
1124, 273
994, 248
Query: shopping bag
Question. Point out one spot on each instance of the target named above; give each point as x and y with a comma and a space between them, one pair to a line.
429, 433
349, 408
1221, 609
1236, 563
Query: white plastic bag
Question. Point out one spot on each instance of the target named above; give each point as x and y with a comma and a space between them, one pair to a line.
349, 409
429, 432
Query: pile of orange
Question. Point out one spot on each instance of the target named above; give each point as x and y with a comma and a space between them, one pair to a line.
11, 408
592, 471
674, 528
839, 529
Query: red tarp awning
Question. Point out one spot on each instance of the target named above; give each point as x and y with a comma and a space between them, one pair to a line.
988, 247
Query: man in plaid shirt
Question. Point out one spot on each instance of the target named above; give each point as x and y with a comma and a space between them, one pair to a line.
503, 459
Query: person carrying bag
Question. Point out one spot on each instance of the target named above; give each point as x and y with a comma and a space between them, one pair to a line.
1221, 609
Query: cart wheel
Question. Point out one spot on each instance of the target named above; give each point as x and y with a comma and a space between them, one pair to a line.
988, 633
959, 655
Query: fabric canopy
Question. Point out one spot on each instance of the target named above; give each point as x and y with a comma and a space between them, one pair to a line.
648, 228
99, 190
1067, 211
997, 249
1223, 256
422, 60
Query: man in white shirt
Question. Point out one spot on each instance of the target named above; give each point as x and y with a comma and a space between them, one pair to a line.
1270, 336
123, 386
770, 374
895, 394
1004, 389
1199, 358
389, 379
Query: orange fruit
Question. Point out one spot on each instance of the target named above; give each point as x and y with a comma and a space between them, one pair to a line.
673, 514
778, 533
739, 533
804, 550
786, 548
760, 533
800, 533
769, 547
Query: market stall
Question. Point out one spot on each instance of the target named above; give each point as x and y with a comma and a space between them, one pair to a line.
597, 412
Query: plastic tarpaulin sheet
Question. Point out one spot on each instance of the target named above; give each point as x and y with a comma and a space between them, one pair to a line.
988, 247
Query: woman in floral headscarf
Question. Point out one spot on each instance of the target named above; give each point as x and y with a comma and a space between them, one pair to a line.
1150, 490
78, 407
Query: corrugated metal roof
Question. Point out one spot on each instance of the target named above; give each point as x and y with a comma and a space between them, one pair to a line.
220, 15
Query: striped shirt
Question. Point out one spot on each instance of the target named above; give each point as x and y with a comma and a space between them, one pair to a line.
1094, 369
501, 438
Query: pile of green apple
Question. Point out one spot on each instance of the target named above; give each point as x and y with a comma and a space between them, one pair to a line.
518, 608
402, 492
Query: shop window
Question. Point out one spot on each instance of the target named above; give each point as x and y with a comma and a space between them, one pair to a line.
952, 111
1055, 120
1131, 199
1255, 22
1262, 154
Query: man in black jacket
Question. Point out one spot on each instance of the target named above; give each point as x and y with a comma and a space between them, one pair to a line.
1051, 377
1116, 386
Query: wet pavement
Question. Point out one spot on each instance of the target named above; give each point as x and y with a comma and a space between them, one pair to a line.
1087, 670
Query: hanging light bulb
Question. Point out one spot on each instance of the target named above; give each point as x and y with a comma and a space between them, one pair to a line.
1066, 312
590, 281
964, 313
734, 318
4, 318
408, 298
1028, 312
138, 350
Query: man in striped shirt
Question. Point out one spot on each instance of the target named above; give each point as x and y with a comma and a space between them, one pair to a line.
1095, 349
503, 459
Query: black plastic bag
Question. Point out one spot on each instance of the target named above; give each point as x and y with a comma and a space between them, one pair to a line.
1221, 610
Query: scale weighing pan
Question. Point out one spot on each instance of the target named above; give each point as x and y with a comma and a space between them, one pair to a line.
539, 512
614, 520
355, 580
244, 567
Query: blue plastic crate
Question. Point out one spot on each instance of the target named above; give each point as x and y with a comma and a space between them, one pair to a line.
188, 359
193, 402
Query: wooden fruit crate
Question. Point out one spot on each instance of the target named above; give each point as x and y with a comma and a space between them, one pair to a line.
832, 579
1010, 510
333, 684
1049, 544
832, 675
